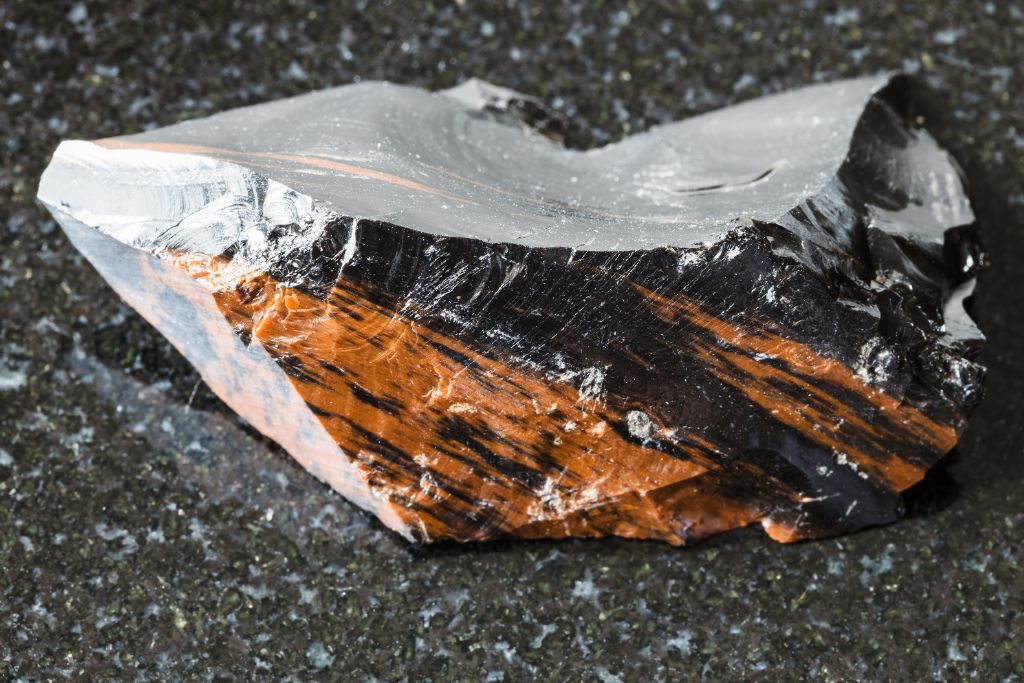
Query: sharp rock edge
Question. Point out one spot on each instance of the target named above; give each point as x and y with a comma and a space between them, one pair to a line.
754, 315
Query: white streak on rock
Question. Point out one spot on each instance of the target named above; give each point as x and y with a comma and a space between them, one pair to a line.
349, 251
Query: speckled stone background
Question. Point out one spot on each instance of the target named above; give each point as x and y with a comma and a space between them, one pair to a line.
145, 533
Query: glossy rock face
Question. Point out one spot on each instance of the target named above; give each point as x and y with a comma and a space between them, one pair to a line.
756, 315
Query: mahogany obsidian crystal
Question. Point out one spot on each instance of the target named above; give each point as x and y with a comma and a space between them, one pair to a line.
755, 315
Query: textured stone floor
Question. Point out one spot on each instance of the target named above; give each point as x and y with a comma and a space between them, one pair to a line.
145, 533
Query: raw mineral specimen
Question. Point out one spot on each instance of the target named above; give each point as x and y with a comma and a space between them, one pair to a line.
755, 315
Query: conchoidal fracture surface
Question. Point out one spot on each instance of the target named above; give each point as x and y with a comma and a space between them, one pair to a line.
756, 315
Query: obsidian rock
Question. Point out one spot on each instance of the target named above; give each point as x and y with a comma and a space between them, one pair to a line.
755, 315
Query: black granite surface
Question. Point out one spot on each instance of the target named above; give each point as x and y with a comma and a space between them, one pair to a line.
145, 533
